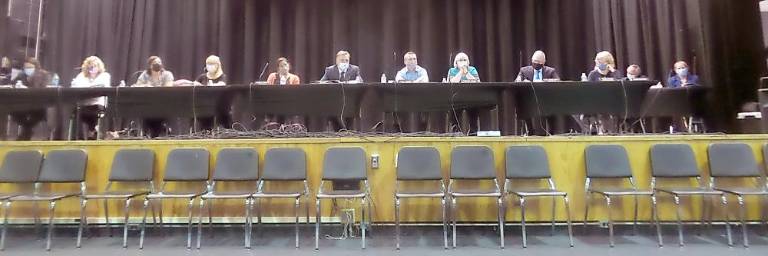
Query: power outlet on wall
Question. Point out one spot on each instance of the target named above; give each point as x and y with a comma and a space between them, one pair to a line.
375, 161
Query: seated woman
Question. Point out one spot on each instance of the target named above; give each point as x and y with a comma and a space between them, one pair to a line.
681, 76
282, 76
154, 75
93, 74
214, 76
461, 71
33, 76
605, 68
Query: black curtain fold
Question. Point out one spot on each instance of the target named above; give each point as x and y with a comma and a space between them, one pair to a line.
720, 39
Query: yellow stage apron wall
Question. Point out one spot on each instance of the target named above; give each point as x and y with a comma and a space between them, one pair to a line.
566, 156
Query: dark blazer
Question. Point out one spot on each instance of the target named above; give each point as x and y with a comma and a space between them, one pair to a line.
595, 76
40, 79
526, 73
332, 73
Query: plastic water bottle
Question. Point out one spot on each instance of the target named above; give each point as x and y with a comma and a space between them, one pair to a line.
210, 82
18, 84
583, 77
55, 80
122, 83
383, 78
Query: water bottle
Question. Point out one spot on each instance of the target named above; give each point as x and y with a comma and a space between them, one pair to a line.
55, 80
18, 84
210, 82
122, 83
583, 77
383, 78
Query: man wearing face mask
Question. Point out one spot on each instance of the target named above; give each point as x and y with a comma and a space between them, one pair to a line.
537, 71
155, 74
634, 73
681, 76
343, 71
412, 72
33, 76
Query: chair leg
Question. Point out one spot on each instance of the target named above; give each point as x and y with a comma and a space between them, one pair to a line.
189, 222
763, 212
51, 211
125, 222
554, 210
200, 222
522, 222
7, 210
568, 219
80, 227
210, 218
106, 217
500, 204
362, 220
655, 216
742, 216
724, 200
634, 226
317, 224
610, 221
679, 222
397, 223
587, 202
453, 219
296, 212
704, 206
306, 206
143, 224
445, 223
248, 226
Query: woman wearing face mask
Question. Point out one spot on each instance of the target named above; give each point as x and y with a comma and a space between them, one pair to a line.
93, 74
214, 74
155, 74
283, 75
681, 76
6, 71
461, 71
605, 68
33, 76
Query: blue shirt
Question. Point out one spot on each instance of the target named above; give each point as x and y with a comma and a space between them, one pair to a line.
675, 81
455, 71
418, 75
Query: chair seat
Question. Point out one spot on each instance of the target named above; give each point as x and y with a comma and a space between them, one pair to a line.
114, 194
342, 194
414, 193
44, 197
175, 194
279, 194
227, 195
474, 193
744, 191
538, 192
689, 191
620, 192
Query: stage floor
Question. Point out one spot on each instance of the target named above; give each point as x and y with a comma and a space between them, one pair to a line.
421, 241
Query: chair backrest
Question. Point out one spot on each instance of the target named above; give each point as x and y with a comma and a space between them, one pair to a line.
64, 166
527, 162
673, 161
21, 166
285, 164
607, 161
237, 164
472, 162
345, 163
732, 160
133, 165
187, 164
418, 163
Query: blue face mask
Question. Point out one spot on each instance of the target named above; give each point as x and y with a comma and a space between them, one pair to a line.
602, 66
682, 72
29, 71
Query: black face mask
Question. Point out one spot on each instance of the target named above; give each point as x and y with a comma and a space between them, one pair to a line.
537, 66
157, 67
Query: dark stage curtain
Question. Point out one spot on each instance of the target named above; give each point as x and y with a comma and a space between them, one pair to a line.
721, 39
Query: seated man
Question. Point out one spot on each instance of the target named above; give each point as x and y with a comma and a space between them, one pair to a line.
412, 72
343, 71
681, 77
537, 71
634, 73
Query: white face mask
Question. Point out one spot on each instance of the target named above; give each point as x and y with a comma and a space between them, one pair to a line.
343, 66
210, 68
29, 71
631, 77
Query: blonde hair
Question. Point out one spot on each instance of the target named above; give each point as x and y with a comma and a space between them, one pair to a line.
606, 57
213, 59
92, 61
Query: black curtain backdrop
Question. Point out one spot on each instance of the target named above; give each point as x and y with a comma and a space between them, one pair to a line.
721, 39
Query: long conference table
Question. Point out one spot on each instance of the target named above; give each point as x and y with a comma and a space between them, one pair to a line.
367, 103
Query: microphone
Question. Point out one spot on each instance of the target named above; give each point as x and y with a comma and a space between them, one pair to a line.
264, 69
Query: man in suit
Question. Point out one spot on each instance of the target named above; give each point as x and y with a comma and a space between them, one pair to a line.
537, 71
343, 71
634, 73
